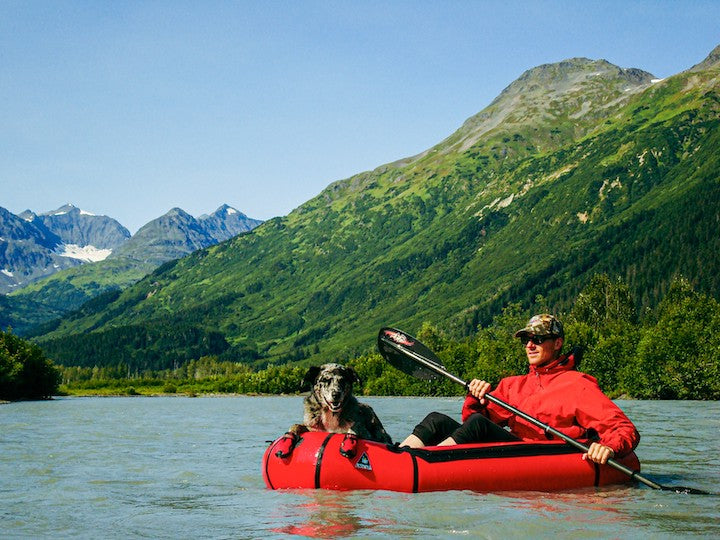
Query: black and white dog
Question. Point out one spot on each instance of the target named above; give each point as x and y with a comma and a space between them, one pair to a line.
331, 405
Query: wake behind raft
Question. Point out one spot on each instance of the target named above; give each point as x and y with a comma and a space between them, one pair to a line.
317, 462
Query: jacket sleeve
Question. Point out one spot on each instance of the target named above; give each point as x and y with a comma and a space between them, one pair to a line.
471, 405
597, 412
494, 412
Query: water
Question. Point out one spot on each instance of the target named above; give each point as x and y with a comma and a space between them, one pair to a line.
190, 468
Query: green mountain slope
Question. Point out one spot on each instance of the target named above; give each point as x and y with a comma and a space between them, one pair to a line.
71, 288
576, 168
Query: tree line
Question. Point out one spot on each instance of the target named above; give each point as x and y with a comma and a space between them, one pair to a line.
670, 352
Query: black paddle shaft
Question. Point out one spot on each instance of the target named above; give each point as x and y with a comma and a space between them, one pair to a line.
395, 344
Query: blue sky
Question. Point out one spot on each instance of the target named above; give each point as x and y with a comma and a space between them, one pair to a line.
131, 108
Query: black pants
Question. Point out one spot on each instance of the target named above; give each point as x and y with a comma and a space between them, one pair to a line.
436, 427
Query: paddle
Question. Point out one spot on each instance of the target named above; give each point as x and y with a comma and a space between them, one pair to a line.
412, 357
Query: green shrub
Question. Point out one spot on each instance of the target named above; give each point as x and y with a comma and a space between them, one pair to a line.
25, 372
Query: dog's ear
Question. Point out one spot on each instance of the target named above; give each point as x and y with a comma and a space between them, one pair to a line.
350, 372
310, 376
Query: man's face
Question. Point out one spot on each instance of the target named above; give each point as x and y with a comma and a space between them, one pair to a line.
544, 352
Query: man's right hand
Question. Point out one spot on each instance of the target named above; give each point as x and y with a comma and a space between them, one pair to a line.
478, 389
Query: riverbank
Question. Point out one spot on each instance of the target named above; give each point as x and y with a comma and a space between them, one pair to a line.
150, 391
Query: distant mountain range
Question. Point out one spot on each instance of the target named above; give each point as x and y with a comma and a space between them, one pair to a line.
177, 233
43, 256
576, 168
33, 246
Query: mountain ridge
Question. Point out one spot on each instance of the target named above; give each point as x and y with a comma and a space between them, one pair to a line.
521, 98
711, 61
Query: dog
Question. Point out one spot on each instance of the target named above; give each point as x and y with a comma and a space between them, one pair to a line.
331, 405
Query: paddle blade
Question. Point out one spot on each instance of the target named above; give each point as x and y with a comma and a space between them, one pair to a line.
681, 490
392, 343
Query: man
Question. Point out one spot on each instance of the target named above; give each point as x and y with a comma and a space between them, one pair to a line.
552, 391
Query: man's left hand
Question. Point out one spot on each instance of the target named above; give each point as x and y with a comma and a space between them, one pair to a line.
599, 453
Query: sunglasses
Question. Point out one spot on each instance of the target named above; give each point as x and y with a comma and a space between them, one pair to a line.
537, 340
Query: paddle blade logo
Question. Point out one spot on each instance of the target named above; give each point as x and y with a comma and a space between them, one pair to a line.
364, 463
399, 337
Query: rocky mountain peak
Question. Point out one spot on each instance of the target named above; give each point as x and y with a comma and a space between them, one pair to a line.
712, 60
561, 76
580, 89
27, 215
174, 213
226, 222
225, 209
78, 227
64, 209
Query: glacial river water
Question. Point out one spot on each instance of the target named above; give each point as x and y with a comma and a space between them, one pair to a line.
176, 467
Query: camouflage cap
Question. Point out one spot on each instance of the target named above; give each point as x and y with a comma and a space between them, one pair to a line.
542, 325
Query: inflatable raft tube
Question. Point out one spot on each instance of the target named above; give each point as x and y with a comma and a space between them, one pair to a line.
316, 462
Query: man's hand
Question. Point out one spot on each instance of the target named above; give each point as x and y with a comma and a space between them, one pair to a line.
478, 389
599, 453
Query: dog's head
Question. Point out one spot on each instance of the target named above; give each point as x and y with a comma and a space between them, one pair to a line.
331, 384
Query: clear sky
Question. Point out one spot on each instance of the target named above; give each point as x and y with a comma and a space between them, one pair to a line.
129, 108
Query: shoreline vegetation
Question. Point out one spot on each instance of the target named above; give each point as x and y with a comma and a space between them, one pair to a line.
668, 353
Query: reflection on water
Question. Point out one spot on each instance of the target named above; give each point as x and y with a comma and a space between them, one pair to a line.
323, 515
190, 468
584, 507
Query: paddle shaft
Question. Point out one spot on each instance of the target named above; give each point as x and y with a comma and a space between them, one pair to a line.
517, 412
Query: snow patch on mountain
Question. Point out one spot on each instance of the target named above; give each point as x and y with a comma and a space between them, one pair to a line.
68, 208
83, 253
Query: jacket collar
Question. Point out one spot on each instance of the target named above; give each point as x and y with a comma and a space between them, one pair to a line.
565, 362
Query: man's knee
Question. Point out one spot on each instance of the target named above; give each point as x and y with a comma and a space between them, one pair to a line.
434, 428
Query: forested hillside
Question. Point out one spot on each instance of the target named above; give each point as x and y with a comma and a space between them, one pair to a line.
577, 168
670, 353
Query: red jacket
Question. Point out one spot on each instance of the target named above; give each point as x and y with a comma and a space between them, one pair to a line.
565, 399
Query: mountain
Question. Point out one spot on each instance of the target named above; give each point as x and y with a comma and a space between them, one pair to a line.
78, 227
168, 237
177, 233
119, 260
553, 102
577, 168
35, 246
226, 222
26, 250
